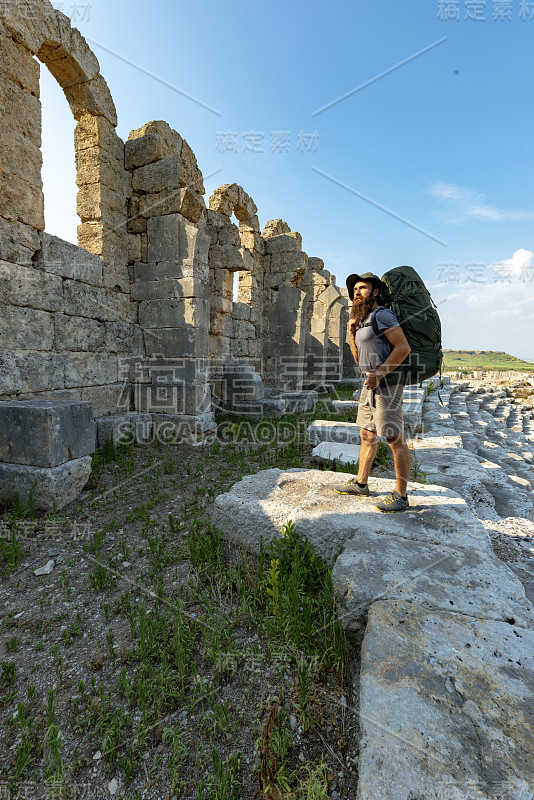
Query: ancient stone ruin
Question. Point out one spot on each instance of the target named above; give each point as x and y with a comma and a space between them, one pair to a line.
139, 319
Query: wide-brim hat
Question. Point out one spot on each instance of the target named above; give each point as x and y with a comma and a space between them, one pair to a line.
352, 280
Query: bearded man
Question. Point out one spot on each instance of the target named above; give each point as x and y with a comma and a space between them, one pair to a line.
380, 406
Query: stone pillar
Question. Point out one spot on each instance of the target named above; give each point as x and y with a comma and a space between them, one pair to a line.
285, 307
102, 197
170, 279
21, 189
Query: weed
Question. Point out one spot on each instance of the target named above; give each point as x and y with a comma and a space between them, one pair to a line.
315, 784
10, 551
12, 644
177, 758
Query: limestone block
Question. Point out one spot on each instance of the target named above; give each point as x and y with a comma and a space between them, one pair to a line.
287, 264
69, 71
51, 488
172, 201
69, 261
275, 227
299, 402
444, 706
25, 159
44, 433
173, 238
40, 371
143, 272
123, 337
95, 201
168, 173
96, 131
255, 349
140, 152
241, 311
78, 333
92, 97
188, 268
20, 201
19, 66
171, 428
113, 399
316, 264
10, 380
135, 248
224, 199
172, 371
137, 225
227, 257
284, 243
25, 286
343, 454
25, 329
90, 369
332, 431
229, 234
219, 346
115, 276
21, 116
243, 330
252, 240
18, 242
97, 303
151, 142
123, 429
170, 288
96, 165
176, 342
174, 313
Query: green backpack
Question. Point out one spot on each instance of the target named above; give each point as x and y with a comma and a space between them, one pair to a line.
406, 295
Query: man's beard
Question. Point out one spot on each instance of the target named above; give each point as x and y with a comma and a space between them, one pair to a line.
361, 308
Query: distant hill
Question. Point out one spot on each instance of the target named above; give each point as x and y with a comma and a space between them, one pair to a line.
469, 360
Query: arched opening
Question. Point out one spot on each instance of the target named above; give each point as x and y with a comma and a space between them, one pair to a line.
59, 164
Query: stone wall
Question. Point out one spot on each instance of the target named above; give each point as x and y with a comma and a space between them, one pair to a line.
140, 317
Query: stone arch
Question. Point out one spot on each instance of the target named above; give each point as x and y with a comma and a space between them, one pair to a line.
232, 199
34, 28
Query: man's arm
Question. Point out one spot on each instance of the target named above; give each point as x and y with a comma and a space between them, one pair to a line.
352, 341
401, 349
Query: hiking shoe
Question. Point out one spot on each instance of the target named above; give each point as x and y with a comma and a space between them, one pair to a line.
393, 502
351, 487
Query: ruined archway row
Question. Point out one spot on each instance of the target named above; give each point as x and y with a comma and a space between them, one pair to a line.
152, 277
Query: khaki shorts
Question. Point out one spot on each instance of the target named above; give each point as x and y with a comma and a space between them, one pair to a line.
385, 418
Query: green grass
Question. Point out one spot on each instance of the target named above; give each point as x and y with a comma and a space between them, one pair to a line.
469, 360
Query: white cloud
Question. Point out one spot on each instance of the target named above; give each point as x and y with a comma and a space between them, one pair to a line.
468, 204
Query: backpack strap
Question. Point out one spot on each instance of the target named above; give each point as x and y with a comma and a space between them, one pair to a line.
374, 324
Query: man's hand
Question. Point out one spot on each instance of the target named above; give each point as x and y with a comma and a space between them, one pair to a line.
371, 381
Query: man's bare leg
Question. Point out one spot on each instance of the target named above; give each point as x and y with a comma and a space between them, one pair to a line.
402, 459
368, 448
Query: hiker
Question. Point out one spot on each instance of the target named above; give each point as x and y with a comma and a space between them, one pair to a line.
380, 406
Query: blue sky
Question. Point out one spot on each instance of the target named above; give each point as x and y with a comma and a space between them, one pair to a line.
441, 141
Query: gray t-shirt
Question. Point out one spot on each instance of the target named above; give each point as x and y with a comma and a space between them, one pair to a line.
372, 351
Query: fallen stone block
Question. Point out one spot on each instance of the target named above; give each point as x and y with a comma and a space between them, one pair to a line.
180, 428
445, 707
340, 406
344, 454
332, 431
50, 488
45, 433
124, 429
298, 402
